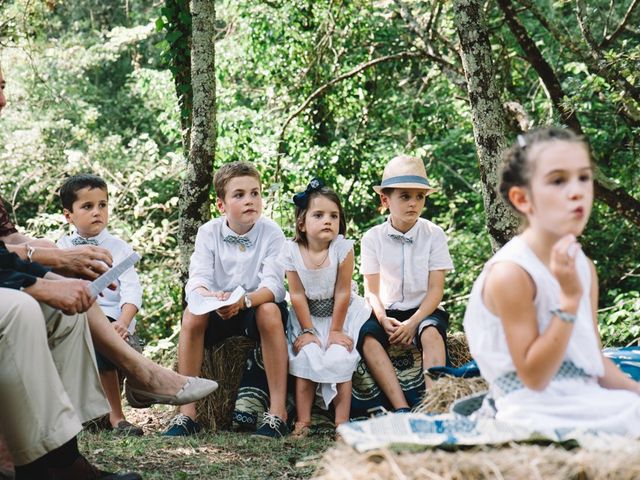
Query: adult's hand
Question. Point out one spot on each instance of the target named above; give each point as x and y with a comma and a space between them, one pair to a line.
85, 261
67, 294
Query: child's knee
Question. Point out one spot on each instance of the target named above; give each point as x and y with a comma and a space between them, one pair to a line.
195, 324
269, 318
430, 338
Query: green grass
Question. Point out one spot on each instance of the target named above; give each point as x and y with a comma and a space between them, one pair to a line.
223, 455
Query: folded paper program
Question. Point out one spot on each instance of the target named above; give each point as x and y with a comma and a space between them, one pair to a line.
199, 304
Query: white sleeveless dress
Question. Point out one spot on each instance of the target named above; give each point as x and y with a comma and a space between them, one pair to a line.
571, 403
332, 365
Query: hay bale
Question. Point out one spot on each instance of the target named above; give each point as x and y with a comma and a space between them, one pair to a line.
479, 463
458, 349
446, 390
225, 364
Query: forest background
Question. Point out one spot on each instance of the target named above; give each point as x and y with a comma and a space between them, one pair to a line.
328, 88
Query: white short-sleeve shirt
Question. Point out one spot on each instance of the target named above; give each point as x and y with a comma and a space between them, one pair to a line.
222, 266
404, 266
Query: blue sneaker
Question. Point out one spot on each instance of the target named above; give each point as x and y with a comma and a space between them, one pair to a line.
182, 426
272, 426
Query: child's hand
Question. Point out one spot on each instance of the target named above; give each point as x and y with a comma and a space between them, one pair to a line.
304, 339
390, 324
121, 329
563, 267
404, 334
230, 310
340, 338
218, 294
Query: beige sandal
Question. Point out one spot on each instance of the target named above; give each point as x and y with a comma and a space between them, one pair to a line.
301, 430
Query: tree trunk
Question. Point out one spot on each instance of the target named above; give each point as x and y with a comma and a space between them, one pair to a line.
489, 124
196, 185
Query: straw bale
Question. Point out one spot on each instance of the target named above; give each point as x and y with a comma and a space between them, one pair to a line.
458, 349
446, 390
225, 364
480, 463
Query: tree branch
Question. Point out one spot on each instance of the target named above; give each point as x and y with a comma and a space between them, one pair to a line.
606, 41
602, 65
606, 190
322, 89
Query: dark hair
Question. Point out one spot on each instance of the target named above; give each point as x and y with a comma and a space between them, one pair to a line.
71, 186
231, 170
301, 212
517, 162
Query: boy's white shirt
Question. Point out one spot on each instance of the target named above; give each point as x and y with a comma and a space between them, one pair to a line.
222, 266
128, 289
404, 268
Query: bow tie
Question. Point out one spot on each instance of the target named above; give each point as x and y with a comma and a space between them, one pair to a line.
238, 240
401, 238
83, 241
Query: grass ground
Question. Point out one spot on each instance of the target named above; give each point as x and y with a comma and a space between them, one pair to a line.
220, 455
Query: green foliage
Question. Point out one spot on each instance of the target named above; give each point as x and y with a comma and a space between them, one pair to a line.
96, 88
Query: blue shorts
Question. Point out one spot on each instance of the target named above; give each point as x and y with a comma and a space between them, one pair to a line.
439, 319
243, 325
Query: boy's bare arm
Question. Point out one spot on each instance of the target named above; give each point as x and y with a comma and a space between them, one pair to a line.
372, 294
127, 313
435, 290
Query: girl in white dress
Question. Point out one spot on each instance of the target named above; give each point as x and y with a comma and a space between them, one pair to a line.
531, 320
326, 315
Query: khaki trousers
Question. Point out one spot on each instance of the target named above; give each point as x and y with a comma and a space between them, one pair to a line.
49, 382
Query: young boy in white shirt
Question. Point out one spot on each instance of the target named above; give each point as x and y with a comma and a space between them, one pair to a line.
404, 262
85, 202
238, 248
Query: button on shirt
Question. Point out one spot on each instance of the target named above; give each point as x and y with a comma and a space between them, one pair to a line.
222, 266
128, 285
403, 266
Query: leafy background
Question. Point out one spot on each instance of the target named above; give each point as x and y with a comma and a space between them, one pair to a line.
90, 89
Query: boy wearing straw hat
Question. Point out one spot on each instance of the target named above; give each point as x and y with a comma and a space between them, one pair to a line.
404, 262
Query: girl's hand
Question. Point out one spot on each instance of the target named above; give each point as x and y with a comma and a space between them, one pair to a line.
563, 267
404, 334
340, 338
304, 339
120, 329
390, 324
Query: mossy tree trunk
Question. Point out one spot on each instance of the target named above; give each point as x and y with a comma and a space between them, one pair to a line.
196, 185
488, 117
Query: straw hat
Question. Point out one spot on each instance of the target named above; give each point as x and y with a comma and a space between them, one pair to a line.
404, 171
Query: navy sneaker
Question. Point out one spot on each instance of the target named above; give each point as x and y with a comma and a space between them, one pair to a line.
272, 426
182, 426
402, 410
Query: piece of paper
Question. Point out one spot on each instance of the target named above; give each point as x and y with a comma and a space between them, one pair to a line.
111, 275
199, 304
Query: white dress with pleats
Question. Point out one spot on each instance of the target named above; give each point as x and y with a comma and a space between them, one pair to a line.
325, 365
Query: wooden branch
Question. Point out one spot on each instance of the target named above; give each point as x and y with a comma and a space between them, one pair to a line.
539, 63
606, 41
604, 68
322, 89
606, 190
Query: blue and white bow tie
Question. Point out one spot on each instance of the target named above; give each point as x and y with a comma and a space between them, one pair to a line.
83, 241
238, 240
401, 238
